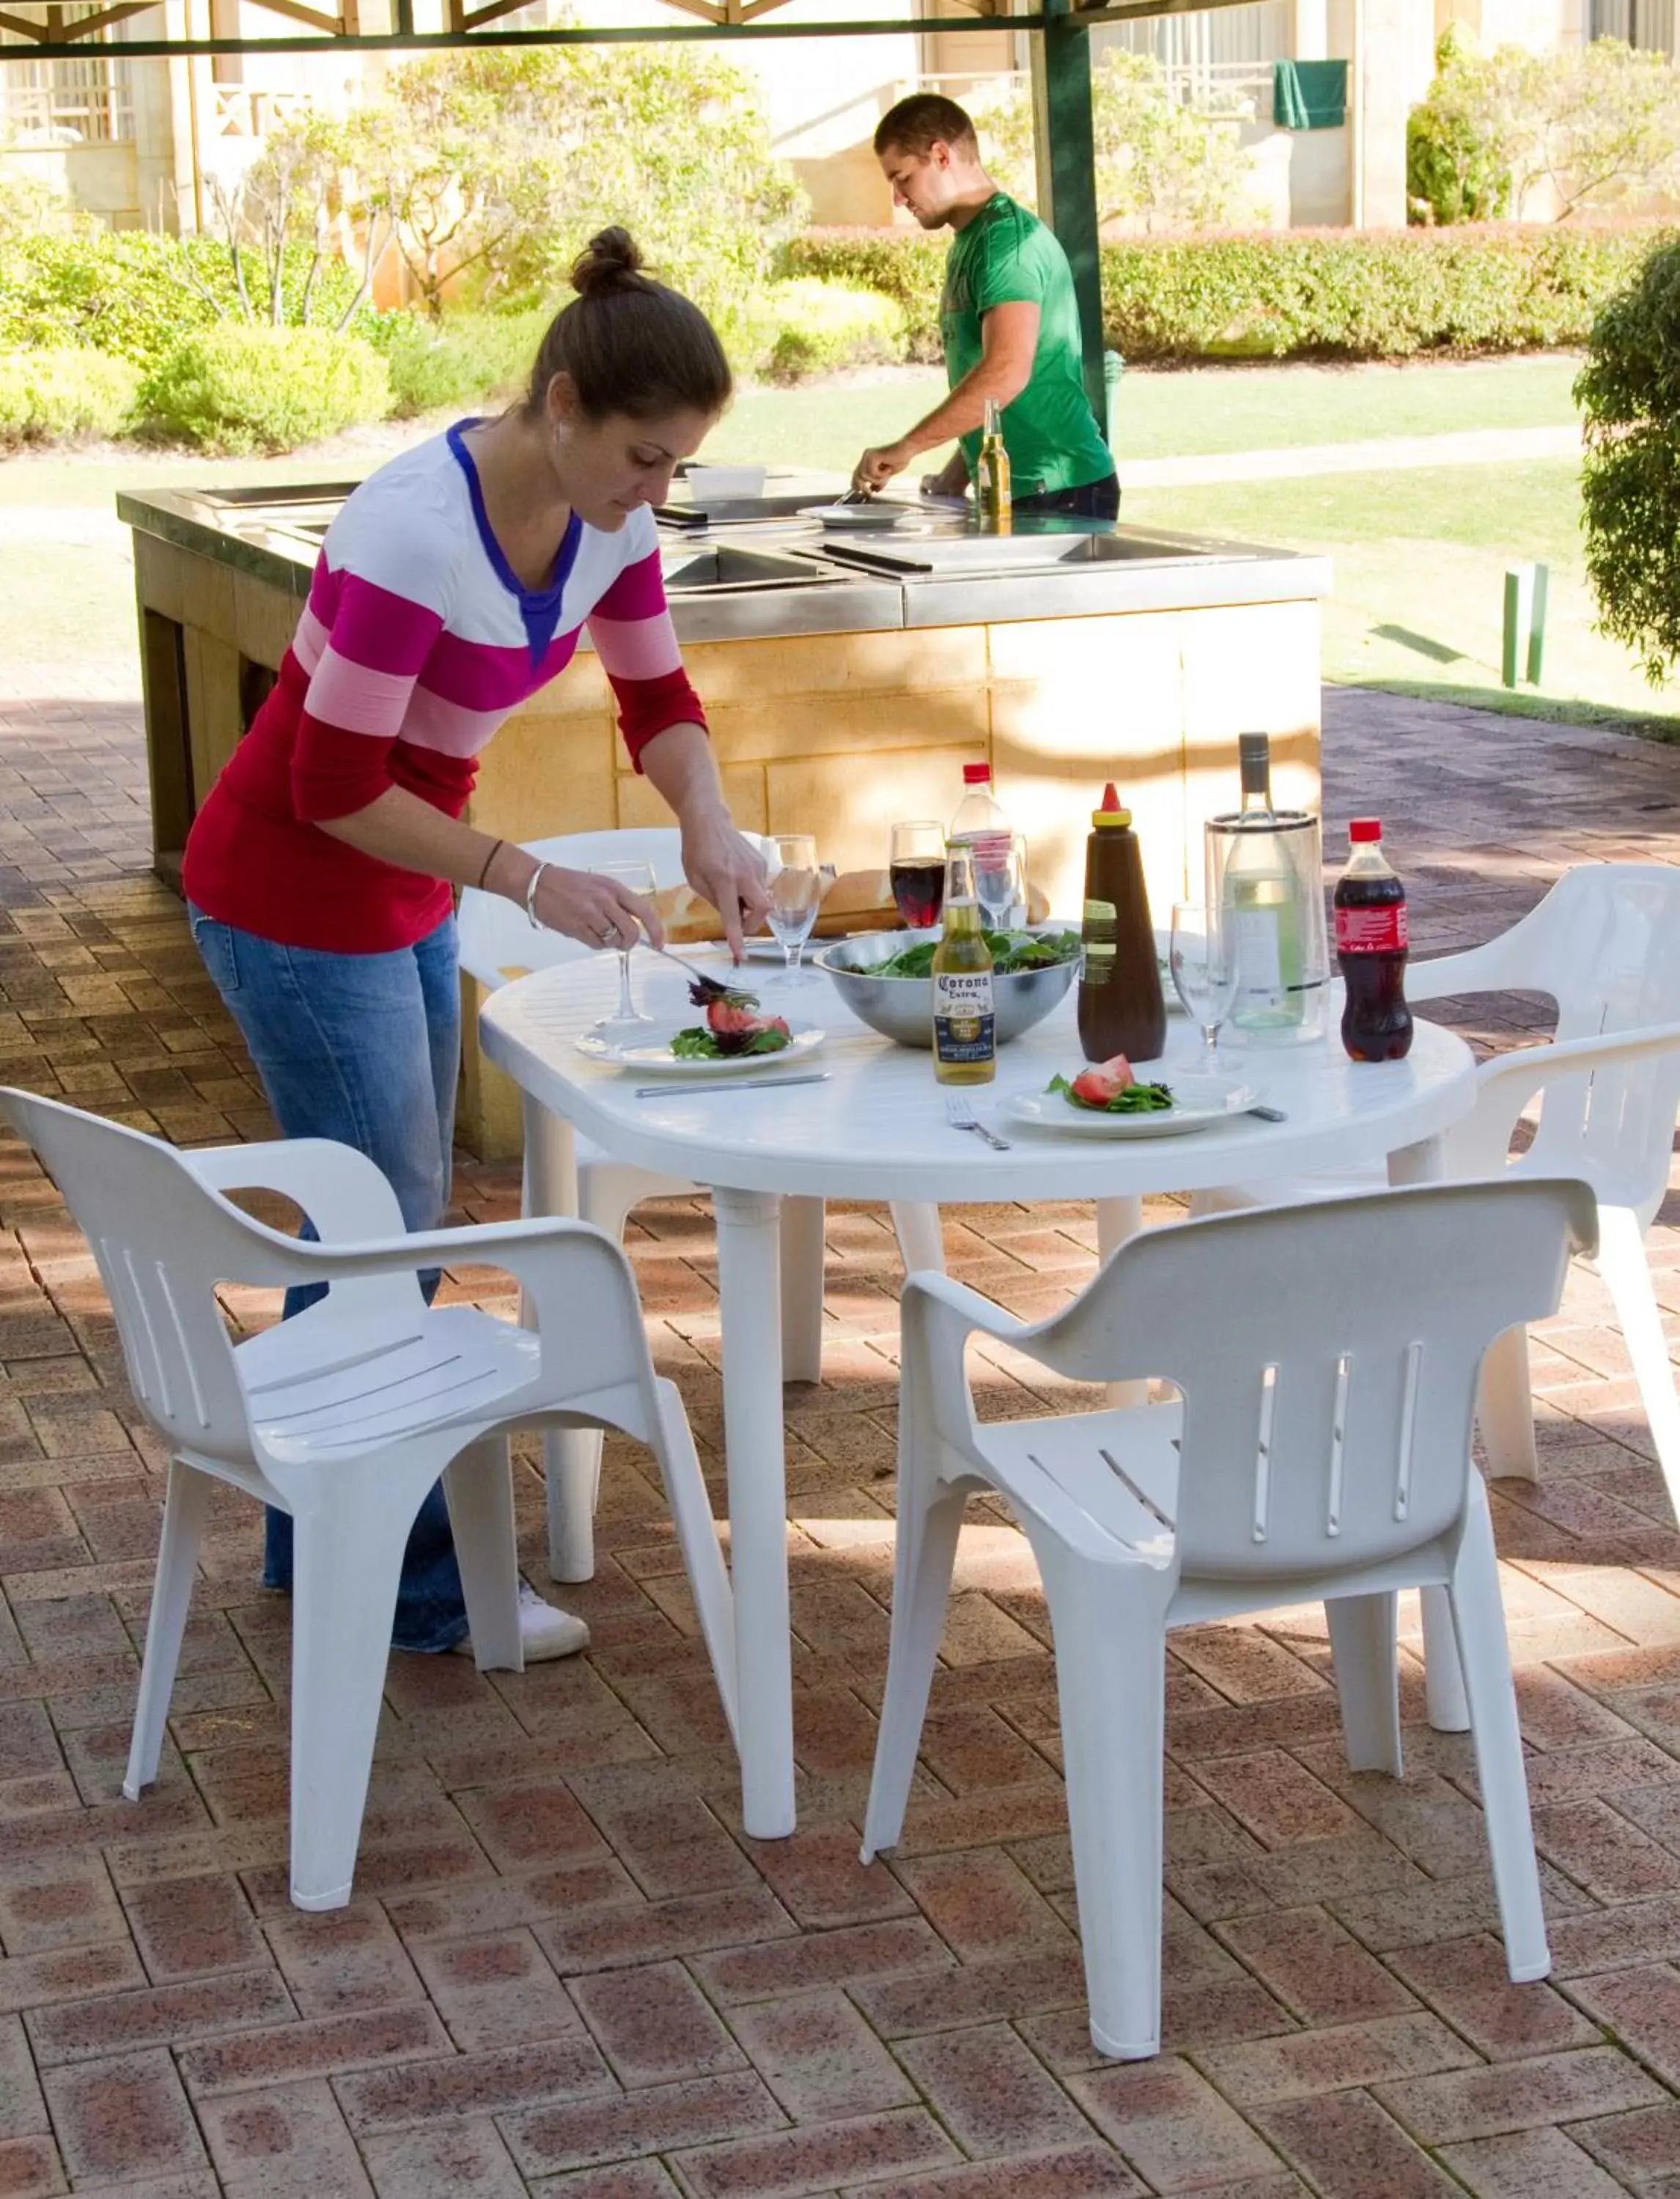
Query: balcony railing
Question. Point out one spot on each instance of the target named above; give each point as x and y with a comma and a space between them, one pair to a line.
240, 110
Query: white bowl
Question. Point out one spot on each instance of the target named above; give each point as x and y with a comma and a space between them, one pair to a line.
725, 482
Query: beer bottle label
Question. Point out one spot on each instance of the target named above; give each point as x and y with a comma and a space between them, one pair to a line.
1380, 931
963, 1026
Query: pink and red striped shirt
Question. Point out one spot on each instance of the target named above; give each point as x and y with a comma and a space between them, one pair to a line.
417, 641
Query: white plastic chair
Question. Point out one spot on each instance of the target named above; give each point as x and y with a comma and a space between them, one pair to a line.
1605, 945
1326, 1360
496, 943
346, 1415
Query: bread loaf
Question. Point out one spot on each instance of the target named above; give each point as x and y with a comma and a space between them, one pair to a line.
856, 900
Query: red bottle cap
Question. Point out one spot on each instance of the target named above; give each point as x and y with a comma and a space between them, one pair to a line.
977, 774
1110, 800
1365, 828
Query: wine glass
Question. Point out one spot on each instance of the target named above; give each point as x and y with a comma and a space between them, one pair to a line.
795, 883
628, 1023
916, 865
1205, 971
1000, 882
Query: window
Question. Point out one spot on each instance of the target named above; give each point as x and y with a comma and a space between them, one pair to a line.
86, 100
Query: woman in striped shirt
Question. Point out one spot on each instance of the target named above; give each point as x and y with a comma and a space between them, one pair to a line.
453, 584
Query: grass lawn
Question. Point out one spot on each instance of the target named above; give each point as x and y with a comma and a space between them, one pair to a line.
1420, 556
1419, 566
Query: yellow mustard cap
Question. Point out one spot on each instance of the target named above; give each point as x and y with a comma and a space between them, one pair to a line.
1111, 811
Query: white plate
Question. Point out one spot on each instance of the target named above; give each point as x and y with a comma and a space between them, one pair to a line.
656, 1059
1198, 1102
869, 514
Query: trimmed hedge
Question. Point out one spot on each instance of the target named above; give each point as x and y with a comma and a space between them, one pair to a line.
819, 327
456, 361
240, 389
1326, 293
54, 396
135, 294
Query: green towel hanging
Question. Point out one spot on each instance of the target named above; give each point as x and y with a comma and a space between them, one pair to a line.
1310, 95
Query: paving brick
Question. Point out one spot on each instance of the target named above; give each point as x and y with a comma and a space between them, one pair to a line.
984, 1906
321, 2048
463, 2161
1315, 1967
30, 2168
1077, 2172
819, 2057
342, 1959
1467, 1982
1538, 2164
184, 1926
653, 2025
1173, 2129
1555, 2088
663, 2118
1636, 2146
122, 2118
1642, 2008
861, 2150
1348, 2148
1334, 2060
497, 1989
854, 1956
87, 2030
991, 2092
402, 2094
290, 2140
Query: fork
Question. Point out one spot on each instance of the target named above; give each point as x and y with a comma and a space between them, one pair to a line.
961, 1115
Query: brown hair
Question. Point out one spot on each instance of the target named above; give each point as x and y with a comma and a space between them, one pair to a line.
924, 120
629, 344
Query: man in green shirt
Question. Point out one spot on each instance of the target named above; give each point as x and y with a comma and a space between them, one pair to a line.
1009, 321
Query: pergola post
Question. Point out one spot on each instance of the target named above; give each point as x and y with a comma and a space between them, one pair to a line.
1065, 148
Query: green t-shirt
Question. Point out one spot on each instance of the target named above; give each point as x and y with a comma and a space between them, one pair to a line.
1006, 255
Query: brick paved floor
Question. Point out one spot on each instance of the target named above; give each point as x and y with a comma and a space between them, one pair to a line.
566, 1971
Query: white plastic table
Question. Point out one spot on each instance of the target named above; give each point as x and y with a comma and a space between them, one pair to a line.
876, 1130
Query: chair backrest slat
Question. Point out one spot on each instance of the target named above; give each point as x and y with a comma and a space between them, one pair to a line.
1328, 1419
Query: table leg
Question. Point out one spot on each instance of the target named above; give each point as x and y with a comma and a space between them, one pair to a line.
571, 1457
1444, 1675
921, 1240
748, 1294
1118, 1219
802, 1289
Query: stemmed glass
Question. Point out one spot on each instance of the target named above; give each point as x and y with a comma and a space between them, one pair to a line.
916, 865
1204, 972
795, 885
628, 1024
1001, 882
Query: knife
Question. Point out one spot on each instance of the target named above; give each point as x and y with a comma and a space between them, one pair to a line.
726, 1084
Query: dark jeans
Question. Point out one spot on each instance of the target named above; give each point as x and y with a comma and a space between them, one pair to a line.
1098, 499
364, 1049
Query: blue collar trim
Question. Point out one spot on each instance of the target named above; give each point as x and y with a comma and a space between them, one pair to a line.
538, 608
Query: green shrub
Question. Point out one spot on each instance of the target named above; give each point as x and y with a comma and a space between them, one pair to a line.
135, 294
458, 360
1459, 142
906, 265
1297, 294
239, 389
54, 396
818, 328
1628, 392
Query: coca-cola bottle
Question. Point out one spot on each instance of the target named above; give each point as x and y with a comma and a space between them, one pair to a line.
1370, 904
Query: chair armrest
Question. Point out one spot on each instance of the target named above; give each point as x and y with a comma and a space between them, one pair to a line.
956, 1302
344, 1193
1505, 1085
1476, 970
523, 1250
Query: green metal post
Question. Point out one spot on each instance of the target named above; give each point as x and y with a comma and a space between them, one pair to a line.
1067, 182
1519, 612
1537, 626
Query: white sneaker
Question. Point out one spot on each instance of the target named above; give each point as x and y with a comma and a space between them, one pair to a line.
545, 1632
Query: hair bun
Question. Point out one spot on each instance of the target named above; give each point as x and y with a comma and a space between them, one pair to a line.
611, 261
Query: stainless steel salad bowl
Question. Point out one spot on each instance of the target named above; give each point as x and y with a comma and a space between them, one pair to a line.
902, 1008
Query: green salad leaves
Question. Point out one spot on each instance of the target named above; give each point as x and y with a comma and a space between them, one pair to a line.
1134, 1099
1011, 951
698, 1043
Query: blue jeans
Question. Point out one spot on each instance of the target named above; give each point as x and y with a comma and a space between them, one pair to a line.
364, 1049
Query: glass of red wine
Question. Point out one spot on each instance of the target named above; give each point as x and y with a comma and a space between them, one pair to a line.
916, 865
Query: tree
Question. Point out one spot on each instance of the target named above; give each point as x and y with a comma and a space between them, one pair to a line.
1159, 165
1599, 124
1628, 392
285, 212
495, 167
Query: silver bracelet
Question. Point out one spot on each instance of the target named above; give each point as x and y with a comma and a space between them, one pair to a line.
536, 922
